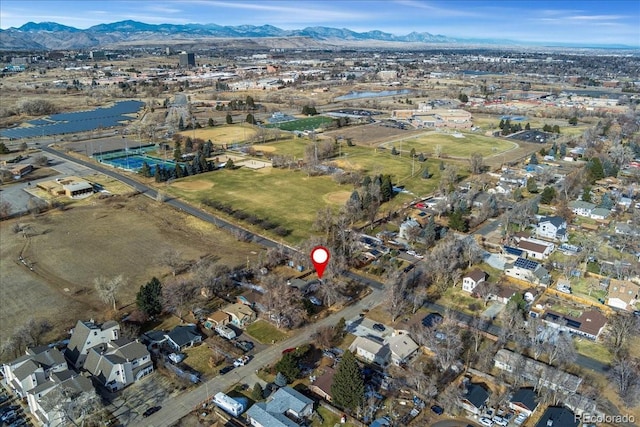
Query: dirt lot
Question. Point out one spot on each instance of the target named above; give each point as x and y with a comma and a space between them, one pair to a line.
371, 134
67, 250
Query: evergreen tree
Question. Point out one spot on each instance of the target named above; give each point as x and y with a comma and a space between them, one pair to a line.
533, 160
145, 170
421, 157
394, 152
386, 189
347, 390
595, 170
188, 145
256, 393
517, 194
355, 200
177, 152
606, 202
149, 298
563, 150
4, 149
179, 173
527, 126
181, 124
229, 164
458, 222
366, 181
556, 129
250, 102
250, 119
412, 153
210, 122
573, 121
501, 125
206, 149
548, 194
288, 366
441, 165
425, 173
430, 231
280, 380
586, 194
532, 186
229, 119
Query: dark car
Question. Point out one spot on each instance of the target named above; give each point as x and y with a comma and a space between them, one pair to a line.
379, 327
151, 411
636, 313
226, 369
244, 345
437, 410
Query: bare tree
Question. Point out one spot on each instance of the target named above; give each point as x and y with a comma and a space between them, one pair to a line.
75, 407
625, 374
172, 259
5, 209
395, 293
561, 349
620, 329
486, 290
107, 289
476, 163
177, 295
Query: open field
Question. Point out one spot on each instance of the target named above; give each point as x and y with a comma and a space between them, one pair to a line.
462, 146
265, 332
115, 236
287, 197
372, 134
223, 134
309, 123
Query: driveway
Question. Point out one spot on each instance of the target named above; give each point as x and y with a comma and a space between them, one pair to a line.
493, 310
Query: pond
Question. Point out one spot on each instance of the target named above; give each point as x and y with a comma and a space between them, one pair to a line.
371, 94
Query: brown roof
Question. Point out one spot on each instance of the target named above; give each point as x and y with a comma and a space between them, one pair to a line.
324, 381
219, 316
476, 274
592, 321
531, 246
624, 290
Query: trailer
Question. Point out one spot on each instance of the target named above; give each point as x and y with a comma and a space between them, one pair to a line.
225, 331
228, 404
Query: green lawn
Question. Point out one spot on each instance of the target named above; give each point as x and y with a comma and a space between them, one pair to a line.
452, 146
594, 350
198, 359
329, 419
309, 123
457, 299
265, 332
287, 147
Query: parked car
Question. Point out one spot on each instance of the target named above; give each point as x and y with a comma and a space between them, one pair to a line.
499, 421
520, 419
379, 327
241, 361
315, 301
244, 345
288, 350
151, 411
485, 421
226, 369
176, 357
437, 410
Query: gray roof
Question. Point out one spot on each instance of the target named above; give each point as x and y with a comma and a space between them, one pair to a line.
47, 357
26, 369
581, 204
525, 397
81, 334
183, 334
476, 394
259, 413
132, 350
559, 416
286, 399
555, 220
601, 212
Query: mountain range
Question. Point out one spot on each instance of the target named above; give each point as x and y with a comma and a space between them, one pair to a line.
53, 36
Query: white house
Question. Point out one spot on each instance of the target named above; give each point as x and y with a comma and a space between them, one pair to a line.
118, 364
623, 294
371, 351
600, 213
285, 408
582, 208
472, 279
534, 248
33, 369
402, 348
87, 335
529, 271
552, 227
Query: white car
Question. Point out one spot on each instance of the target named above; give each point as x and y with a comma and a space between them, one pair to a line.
520, 419
500, 421
485, 421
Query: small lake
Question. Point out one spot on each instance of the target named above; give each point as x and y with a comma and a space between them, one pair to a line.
359, 95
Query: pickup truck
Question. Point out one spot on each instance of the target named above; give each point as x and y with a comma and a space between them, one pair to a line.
241, 361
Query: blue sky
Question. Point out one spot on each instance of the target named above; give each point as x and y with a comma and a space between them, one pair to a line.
585, 21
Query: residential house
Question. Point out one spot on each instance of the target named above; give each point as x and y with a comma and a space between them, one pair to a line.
504, 294
627, 229
535, 248
119, 363
285, 408
241, 314
322, 384
556, 416
529, 271
582, 208
154, 338
217, 318
524, 401
589, 324
600, 213
472, 279
87, 335
402, 348
34, 368
623, 294
47, 401
552, 227
371, 351
474, 398
409, 229
536, 373
183, 336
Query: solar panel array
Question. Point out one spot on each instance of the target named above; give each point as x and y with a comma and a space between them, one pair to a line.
526, 264
513, 251
83, 121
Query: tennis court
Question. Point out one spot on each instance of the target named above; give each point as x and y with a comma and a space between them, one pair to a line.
133, 162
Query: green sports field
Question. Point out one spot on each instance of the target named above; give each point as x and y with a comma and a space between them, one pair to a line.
309, 123
461, 146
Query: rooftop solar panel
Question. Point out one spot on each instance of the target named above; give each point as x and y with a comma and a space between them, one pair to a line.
513, 251
526, 264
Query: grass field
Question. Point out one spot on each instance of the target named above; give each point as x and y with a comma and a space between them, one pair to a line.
594, 350
265, 332
223, 134
309, 123
452, 146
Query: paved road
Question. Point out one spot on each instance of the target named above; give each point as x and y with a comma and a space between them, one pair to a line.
177, 407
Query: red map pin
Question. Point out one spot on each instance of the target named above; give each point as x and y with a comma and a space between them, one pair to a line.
320, 259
